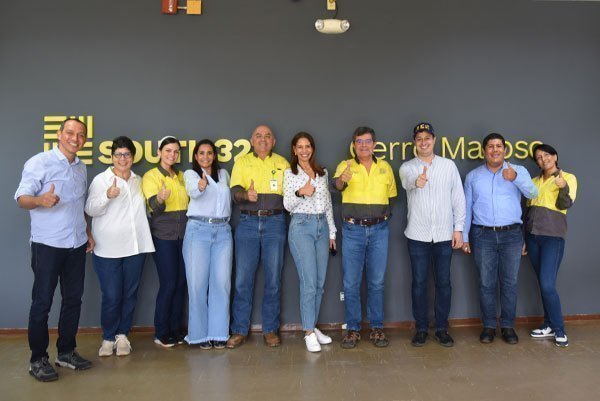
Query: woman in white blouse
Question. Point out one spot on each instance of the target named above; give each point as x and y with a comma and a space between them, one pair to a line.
122, 234
208, 248
312, 231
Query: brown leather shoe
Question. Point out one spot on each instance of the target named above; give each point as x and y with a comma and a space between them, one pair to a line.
272, 339
235, 341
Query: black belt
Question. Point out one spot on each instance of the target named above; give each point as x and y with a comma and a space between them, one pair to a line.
366, 222
499, 228
264, 212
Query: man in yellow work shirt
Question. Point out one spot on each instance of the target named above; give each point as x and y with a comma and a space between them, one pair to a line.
367, 184
257, 188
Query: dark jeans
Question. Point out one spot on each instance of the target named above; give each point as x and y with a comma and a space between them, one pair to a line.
422, 256
50, 266
545, 254
172, 286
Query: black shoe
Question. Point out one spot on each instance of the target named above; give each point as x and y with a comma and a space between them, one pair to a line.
509, 335
72, 360
179, 338
444, 338
219, 344
487, 335
419, 339
42, 370
205, 345
165, 341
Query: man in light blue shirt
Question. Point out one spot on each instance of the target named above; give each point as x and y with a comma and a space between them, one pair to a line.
493, 232
53, 188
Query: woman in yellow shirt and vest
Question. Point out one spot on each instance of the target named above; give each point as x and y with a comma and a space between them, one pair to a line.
545, 231
164, 189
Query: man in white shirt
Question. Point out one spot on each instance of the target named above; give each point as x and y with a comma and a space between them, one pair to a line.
436, 216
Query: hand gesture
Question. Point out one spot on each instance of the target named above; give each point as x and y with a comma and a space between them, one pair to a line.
457, 240
113, 191
466, 248
347, 174
422, 178
560, 181
48, 199
202, 183
251, 193
163, 194
509, 173
307, 189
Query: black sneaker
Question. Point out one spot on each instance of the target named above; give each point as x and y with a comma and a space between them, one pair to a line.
509, 335
351, 339
205, 345
444, 338
419, 339
42, 370
179, 338
72, 360
487, 335
219, 344
378, 338
165, 341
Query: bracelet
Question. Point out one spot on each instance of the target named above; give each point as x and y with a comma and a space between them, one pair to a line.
297, 193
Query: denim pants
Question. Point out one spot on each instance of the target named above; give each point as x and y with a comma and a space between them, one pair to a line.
498, 257
545, 254
50, 266
364, 248
170, 267
308, 237
208, 253
119, 281
422, 256
258, 239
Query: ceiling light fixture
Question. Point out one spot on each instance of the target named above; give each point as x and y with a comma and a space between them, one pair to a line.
332, 25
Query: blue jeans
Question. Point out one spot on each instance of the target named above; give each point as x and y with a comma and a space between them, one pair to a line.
171, 292
50, 266
422, 255
364, 248
309, 244
258, 239
119, 281
498, 257
208, 253
545, 254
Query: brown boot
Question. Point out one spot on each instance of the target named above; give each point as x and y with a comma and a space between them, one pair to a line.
235, 341
272, 339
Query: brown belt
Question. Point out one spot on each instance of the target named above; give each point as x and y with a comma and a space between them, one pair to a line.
264, 212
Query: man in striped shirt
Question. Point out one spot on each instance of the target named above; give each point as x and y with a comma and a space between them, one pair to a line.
436, 216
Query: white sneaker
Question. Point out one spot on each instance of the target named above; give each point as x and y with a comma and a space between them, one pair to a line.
542, 332
560, 339
312, 344
322, 338
122, 345
106, 349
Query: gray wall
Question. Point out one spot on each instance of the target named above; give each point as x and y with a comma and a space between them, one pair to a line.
527, 69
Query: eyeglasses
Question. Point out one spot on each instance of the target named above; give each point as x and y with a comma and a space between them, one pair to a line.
125, 155
364, 141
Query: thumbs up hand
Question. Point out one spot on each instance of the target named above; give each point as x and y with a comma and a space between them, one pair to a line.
422, 178
347, 174
509, 173
307, 189
48, 199
251, 193
163, 194
113, 191
202, 183
560, 181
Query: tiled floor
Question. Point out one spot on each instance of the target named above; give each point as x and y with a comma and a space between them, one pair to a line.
532, 370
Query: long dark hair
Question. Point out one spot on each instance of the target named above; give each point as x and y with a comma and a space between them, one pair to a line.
214, 168
313, 163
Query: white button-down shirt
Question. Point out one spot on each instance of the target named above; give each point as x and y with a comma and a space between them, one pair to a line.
119, 225
437, 209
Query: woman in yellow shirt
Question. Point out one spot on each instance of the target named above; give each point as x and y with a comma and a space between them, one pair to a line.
164, 189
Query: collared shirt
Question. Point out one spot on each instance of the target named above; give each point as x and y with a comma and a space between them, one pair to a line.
493, 201
63, 225
547, 214
214, 201
437, 209
168, 219
318, 203
267, 175
367, 194
119, 225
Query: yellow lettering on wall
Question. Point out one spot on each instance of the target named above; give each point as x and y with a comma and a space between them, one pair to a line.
474, 150
392, 146
460, 148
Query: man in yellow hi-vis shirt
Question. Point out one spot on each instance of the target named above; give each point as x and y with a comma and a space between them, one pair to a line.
257, 188
367, 184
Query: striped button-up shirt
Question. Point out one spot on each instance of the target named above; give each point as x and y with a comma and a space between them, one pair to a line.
437, 209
